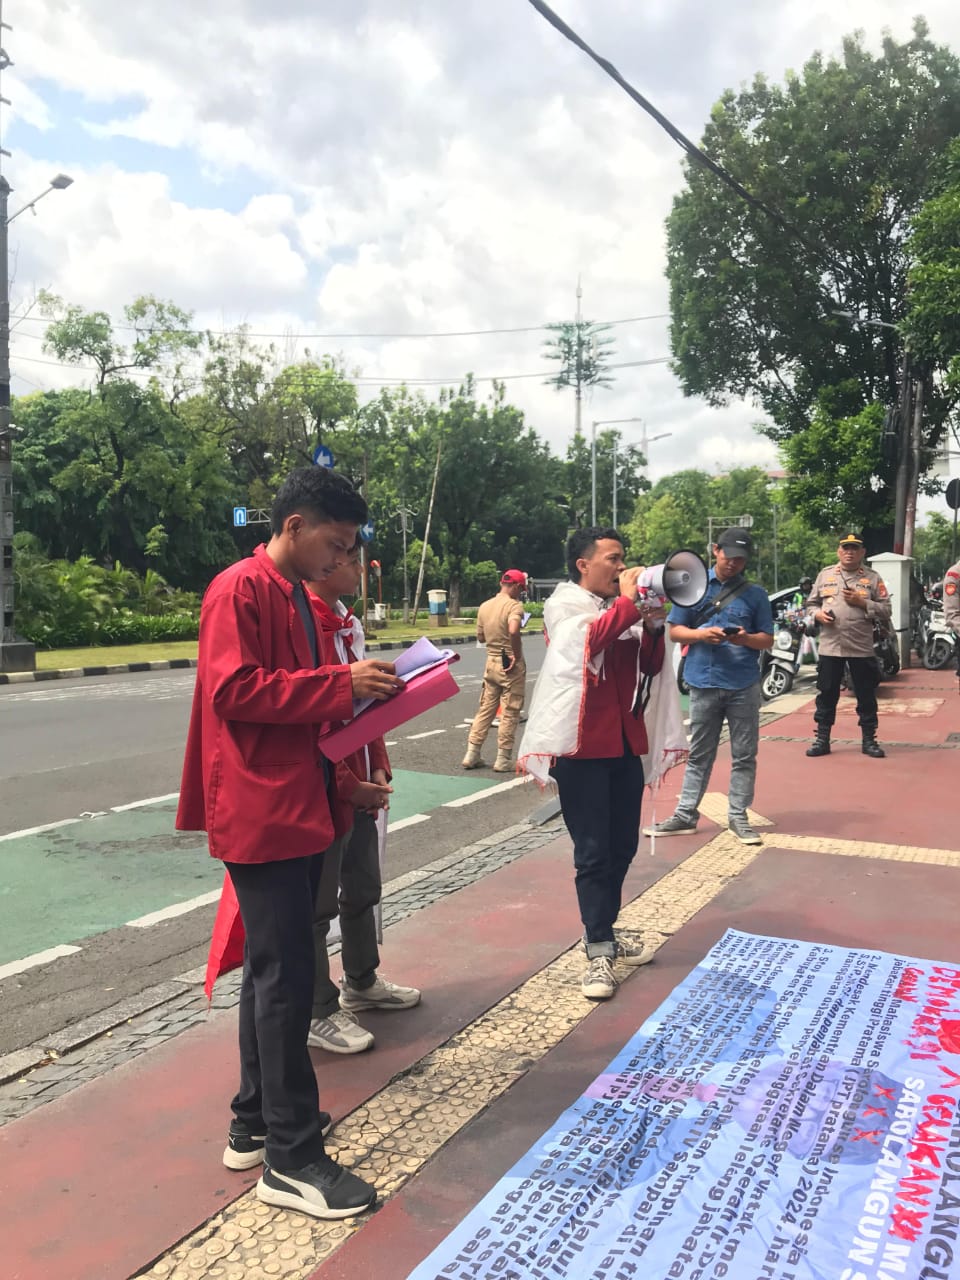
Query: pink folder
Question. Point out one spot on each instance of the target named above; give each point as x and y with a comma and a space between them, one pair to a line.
422, 692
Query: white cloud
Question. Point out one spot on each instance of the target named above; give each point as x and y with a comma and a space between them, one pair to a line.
431, 166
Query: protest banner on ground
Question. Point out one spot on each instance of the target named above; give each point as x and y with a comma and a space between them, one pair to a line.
788, 1113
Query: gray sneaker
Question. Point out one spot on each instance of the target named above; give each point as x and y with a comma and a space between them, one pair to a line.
340, 1033
675, 826
598, 982
742, 829
380, 995
632, 950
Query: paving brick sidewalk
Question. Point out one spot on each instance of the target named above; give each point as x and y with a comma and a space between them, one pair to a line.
455, 1091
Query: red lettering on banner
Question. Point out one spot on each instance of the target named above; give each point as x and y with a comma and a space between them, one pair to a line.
907, 1223
871, 1135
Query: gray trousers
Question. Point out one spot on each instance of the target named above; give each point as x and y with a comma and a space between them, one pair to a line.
349, 887
708, 710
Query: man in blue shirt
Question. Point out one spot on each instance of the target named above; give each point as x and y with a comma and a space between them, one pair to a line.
725, 632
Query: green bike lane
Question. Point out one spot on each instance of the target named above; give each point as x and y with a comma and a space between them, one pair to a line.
81, 878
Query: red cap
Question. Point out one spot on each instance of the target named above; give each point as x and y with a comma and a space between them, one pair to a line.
514, 576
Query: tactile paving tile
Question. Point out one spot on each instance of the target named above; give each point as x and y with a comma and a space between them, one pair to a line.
396, 1132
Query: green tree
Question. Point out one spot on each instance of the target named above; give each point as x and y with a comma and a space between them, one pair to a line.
161, 334
488, 457
631, 480
932, 323
933, 547
844, 150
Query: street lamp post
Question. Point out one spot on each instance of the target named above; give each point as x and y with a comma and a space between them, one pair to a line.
645, 443
603, 422
15, 654
728, 522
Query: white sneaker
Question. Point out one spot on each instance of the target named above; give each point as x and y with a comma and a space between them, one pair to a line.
598, 983
382, 995
340, 1033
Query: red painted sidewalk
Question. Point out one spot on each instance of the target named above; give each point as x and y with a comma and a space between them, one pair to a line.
100, 1183
97, 1184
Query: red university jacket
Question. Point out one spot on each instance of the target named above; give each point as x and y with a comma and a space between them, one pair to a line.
252, 771
606, 715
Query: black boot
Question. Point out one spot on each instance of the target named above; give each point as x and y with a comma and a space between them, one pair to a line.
821, 744
871, 747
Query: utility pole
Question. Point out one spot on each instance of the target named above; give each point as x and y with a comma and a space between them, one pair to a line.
426, 534
405, 515
580, 365
15, 654
912, 466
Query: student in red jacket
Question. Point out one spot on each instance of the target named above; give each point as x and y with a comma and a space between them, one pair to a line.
350, 885
254, 779
587, 721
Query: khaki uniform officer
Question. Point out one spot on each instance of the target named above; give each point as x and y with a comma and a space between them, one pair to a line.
504, 676
845, 600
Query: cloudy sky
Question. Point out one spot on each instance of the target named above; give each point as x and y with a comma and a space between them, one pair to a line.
391, 167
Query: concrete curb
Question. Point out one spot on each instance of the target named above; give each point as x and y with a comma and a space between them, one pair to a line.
74, 673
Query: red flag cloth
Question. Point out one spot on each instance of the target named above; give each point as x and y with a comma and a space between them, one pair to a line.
226, 942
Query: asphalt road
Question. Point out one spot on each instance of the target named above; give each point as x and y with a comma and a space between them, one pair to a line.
76, 749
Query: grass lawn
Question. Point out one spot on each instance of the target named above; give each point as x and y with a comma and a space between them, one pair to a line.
121, 654
112, 655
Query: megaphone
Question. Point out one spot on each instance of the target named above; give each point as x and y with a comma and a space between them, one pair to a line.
681, 579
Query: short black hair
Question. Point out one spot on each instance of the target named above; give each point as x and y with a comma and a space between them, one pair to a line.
321, 493
582, 541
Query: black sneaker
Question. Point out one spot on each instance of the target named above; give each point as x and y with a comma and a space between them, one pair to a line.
324, 1189
244, 1149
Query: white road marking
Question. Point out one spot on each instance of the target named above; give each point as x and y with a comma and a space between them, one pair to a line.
139, 804
488, 791
407, 822
178, 909
36, 831
392, 743
39, 957
430, 733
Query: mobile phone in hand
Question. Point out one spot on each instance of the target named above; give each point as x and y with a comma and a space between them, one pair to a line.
732, 631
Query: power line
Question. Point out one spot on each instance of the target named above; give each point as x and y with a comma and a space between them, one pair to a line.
290, 333
692, 150
361, 379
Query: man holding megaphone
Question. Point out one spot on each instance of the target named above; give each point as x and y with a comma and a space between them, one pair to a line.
726, 632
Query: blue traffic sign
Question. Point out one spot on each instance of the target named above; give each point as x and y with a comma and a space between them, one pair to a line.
239, 517
322, 456
366, 531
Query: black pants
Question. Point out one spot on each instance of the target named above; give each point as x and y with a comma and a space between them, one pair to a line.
863, 674
600, 802
278, 1088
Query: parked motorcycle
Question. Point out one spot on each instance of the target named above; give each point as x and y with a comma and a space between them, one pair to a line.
939, 644
779, 665
886, 649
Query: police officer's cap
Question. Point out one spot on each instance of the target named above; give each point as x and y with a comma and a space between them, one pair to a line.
851, 540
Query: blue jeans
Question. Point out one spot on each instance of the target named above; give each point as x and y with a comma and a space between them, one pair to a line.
708, 709
600, 802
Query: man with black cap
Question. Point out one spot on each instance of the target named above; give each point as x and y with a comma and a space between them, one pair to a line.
846, 600
725, 632
504, 676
